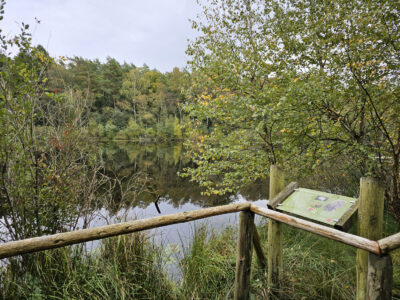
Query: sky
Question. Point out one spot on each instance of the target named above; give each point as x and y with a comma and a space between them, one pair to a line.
154, 32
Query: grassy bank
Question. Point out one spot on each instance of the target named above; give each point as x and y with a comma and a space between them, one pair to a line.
126, 267
133, 267
314, 267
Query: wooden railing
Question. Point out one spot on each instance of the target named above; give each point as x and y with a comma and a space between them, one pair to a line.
79, 236
246, 239
373, 282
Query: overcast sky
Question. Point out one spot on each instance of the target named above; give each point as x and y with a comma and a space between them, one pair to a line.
154, 32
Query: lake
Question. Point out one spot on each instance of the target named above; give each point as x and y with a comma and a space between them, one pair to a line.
158, 165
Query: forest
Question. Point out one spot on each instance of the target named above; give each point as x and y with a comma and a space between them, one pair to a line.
310, 86
125, 102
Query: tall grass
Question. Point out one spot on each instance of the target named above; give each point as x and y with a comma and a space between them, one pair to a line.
133, 267
125, 267
208, 265
314, 267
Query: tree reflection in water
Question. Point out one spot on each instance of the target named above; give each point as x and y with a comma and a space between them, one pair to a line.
160, 164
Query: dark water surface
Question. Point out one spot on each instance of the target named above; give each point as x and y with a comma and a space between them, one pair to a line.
159, 165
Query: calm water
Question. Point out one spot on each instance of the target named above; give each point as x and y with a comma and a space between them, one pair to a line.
152, 173
160, 165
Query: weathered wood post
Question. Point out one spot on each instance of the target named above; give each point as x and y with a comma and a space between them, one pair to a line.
370, 217
275, 262
262, 261
244, 251
380, 277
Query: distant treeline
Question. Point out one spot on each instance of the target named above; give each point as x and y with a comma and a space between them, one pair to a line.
126, 102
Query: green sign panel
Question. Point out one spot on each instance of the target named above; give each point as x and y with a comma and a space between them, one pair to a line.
318, 206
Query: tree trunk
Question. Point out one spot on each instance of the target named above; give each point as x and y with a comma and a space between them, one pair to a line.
394, 195
134, 110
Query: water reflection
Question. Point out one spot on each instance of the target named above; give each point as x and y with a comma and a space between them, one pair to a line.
161, 164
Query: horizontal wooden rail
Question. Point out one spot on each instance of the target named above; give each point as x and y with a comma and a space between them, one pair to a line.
10, 249
74, 237
333, 234
389, 243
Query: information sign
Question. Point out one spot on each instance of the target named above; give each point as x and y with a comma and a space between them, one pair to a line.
322, 207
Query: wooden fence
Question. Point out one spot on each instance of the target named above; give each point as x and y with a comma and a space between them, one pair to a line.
373, 281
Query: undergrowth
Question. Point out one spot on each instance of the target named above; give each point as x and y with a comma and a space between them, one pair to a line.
125, 267
314, 268
133, 267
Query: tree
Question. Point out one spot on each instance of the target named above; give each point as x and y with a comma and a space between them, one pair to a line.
45, 172
111, 74
346, 58
233, 88
176, 82
299, 83
132, 86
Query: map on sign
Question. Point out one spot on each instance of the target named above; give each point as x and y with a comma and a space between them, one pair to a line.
319, 206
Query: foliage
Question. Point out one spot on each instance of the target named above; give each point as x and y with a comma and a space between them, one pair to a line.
49, 175
352, 80
234, 91
118, 92
303, 84
35, 166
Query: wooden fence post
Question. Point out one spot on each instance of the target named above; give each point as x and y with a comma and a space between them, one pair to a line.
244, 251
370, 217
262, 261
380, 277
275, 262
